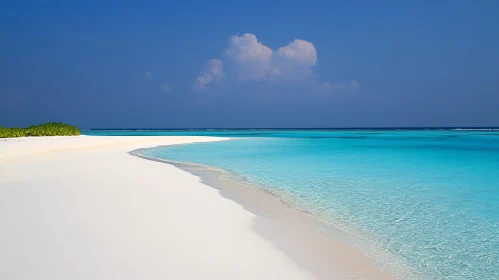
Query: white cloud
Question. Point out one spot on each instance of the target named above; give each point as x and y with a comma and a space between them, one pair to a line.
300, 52
252, 59
248, 59
213, 72
165, 87
148, 76
295, 61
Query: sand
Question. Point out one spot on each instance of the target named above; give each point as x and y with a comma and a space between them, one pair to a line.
83, 208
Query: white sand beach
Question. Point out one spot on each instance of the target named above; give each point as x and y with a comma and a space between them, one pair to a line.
83, 208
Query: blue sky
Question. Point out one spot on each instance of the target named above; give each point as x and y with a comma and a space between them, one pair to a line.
166, 64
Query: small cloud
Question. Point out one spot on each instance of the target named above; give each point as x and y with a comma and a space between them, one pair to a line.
252, 59
165, 87
148, 76
299, 52
213, 72
248, 59
295, 60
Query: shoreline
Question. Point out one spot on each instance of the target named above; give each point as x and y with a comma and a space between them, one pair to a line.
84, 208
298, 233
123, 201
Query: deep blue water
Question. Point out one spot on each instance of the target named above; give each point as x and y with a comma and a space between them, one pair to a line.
430, 198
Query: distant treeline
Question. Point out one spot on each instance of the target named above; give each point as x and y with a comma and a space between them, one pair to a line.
46, 129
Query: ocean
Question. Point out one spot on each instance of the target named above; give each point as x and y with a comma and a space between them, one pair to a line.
429, 198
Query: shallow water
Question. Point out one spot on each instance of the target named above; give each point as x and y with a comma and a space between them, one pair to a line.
430, 197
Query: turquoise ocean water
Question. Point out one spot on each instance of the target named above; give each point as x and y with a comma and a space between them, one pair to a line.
428, 197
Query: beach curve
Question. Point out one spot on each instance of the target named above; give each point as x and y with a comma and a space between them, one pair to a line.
81, 207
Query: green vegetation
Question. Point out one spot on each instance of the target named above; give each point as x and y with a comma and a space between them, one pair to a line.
46, 129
